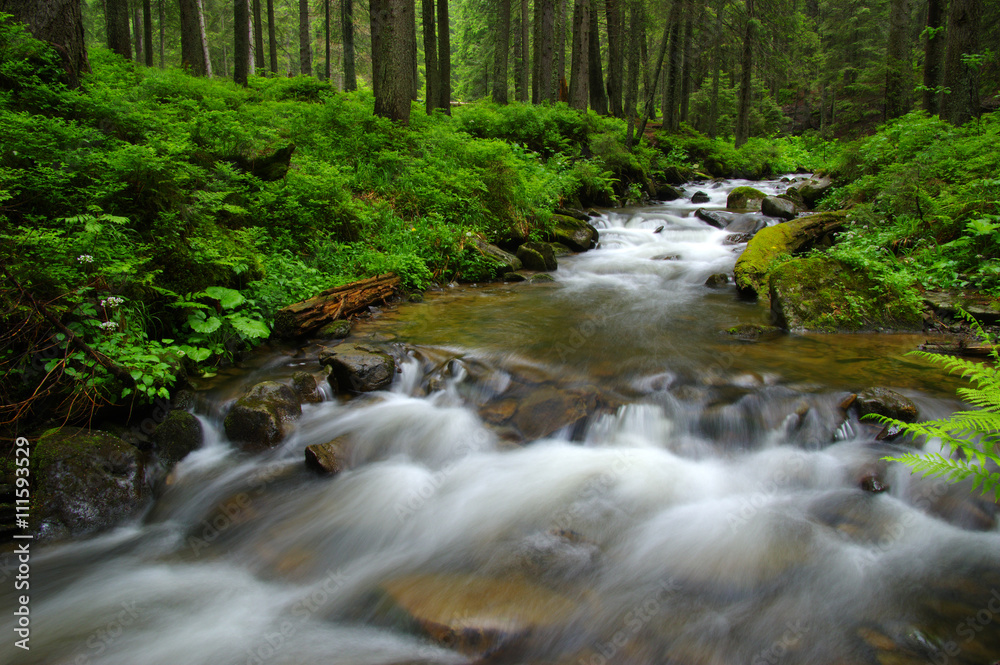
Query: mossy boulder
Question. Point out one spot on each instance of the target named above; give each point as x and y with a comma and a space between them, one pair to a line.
263, 417
537, 256
177, 436
306, 388
359, 368
812, 190
745, 198
501, 262
578, 235
336, 330
84, 481
664, 192
822, 294
798, 235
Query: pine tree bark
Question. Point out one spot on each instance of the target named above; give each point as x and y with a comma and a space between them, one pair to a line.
713, 114
687, 71
347, 27
241, 41
546, 50
536, 51
500, 52
444, 57
194, 54
116, 24
524, 70
897, 90
147, 31
258, 35
933, 53
961, 78
203, 36
616, 57
598, 95
674, 64
60, 23
137, 31
305, 40
272, 40
579, 71
746, 76
649, 107
632, 71
391, 69
560, 18
430, 57
162, 13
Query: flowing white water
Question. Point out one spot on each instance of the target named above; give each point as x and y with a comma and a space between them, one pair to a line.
706, 509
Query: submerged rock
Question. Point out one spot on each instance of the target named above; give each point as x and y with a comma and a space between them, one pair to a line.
752, 332
699, 197
359, 368
716, 218
177, 436
717, 281
548, 409
262, 418
327, 458
84, 481
745, 198
822, 294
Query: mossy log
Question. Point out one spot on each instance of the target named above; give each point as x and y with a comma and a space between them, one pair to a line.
305, 317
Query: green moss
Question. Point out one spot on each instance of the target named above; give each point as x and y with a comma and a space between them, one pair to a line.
822, 294
745, 198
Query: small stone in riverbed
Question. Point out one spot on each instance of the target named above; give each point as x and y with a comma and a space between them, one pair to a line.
887, 403
717, 281
699, 197
327, 458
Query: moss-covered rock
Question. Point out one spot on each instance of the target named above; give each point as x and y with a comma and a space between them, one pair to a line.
812, 190
336, 330
745, 198
537, 256
501, 261
177, 436
84, 481
262, 418
578, 235
822, 294
798, 235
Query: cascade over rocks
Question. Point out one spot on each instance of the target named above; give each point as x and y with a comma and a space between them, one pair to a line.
263, 417
84, 481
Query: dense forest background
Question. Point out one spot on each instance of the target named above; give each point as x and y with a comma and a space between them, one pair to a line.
168, 182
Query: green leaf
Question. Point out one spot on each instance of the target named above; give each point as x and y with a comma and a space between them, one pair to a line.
229, 298
126, 392
251, 328
206, 326
196, 353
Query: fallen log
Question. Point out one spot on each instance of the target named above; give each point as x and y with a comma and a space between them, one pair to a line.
308, 316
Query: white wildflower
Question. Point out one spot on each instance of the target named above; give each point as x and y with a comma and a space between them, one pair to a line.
109, 325
85, 258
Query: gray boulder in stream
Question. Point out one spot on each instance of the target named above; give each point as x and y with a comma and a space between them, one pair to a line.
885, 402
503, 262
578, 235
358, 368
774, 206
84, 481
177, 436
263, 417
537, 256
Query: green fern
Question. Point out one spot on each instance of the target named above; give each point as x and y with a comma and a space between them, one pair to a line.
975, 434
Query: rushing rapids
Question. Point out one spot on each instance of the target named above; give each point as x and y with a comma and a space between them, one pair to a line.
589, 472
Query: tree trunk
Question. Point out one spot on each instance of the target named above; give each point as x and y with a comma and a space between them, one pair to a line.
536, 52
392, 77
306, 317
203, 37
444, 56
598, 96
500, 51
933, 52
272, 40
650, 105
414, 69
897, 64
116, 23
305, 40
194, 54
674, 64
518, 35
430, 57
579, 74
162, 13
147, 31
137, 32
616, 58
559, 51
546, 50
58, 22
746, 77
241, 41
961, 78
632, 72
258, 36
347, 26
713, 120
687, 71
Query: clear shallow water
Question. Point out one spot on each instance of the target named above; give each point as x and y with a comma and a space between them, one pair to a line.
672, 495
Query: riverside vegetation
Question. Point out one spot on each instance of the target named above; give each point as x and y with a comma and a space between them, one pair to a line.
160, 220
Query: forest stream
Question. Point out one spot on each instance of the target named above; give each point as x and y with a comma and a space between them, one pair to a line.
590, 471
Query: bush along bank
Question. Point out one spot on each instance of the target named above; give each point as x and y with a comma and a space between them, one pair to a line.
912, 242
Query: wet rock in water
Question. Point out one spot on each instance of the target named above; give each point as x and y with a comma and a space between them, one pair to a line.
774, 206
554, 555
885, 402
889, 433
822, 294
577, 235
498, 412
477, 616
501, 261
336, 330
263, 417
746, 223
738, 238
665, 257
812, 190
177, 436
717, 281
546, 410
514, 277
306, 387
663, 192
537, 256
799, 235
541, 278
358, 368
575, 214
716, 218
327, 458
753, 332
84, 481
745, 198
699, 197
